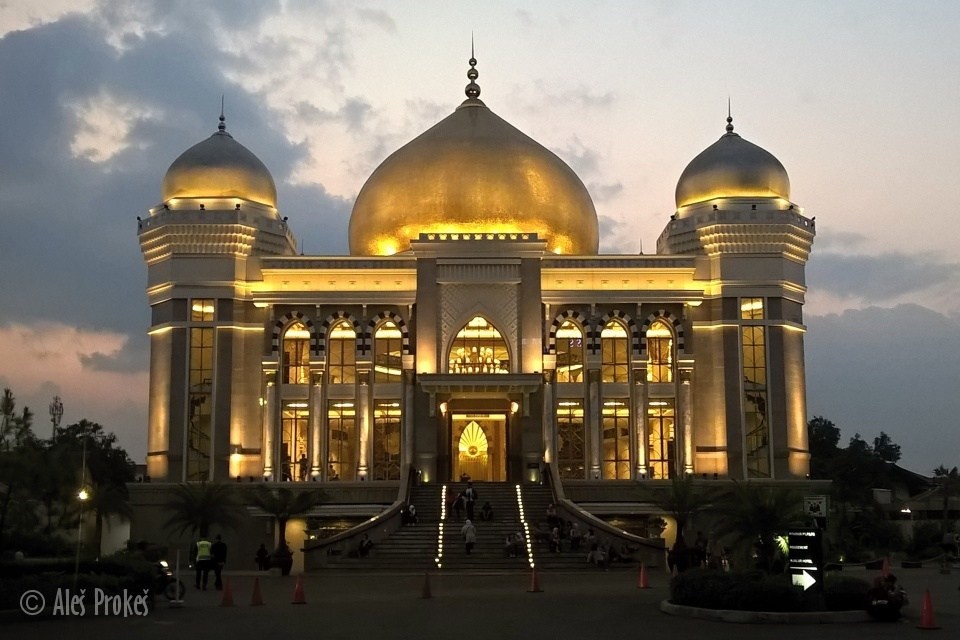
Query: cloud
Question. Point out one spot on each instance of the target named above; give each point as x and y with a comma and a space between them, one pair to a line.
881, 278
859, 360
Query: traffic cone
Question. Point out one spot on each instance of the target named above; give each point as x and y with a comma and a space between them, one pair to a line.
298, 591
426, 594
926, 613
534, 583
675, 571
256, 600
642, 578
227, 599
885, 567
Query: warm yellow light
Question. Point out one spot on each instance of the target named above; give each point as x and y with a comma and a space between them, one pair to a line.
613, 330
514, 407
83, 495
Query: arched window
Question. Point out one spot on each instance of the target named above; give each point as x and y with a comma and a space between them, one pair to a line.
479, 348
613, 348
660, 349
569, 353
386, 353
296, 354
342, 358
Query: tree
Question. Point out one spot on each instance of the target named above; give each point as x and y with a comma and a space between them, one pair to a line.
284, 504
823, 439
886, 448
683, 501
949, 481
17, 445
754, 515
194, 508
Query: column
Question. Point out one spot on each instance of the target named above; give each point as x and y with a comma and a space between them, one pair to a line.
363, 415
317, 421
595, 443
686, 420
270, 412
549, 418
638, 426
406, 454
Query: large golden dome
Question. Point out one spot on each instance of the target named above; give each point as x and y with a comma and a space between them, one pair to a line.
473, 172
219, 167
732, 168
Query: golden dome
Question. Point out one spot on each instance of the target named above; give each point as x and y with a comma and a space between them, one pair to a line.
732, 168
219, 167
473, 172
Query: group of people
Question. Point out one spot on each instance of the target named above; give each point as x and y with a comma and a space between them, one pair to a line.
885, 599
209, 556
467, 499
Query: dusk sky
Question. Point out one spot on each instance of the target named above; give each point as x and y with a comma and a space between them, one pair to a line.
860, 101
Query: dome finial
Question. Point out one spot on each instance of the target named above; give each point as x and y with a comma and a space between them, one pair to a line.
473, 89
223, 121
729, 117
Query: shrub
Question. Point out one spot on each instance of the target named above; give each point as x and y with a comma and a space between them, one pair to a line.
845, 593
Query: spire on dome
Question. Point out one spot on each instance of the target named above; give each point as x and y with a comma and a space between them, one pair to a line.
729, 117
222, 127
472, 89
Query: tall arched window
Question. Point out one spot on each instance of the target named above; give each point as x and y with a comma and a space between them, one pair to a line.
613, 348
569, 353
479, 348
342, 354
660, 349
387, 349
296, 354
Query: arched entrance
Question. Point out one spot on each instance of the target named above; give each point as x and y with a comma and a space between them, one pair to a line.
479, 446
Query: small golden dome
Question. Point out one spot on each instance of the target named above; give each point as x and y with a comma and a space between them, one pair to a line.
219, 167
732, 168
473, 172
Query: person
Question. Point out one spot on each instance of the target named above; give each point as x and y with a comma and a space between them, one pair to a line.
510, 546
552, 518
304, 466
464, 477
885, 599
201, 561
262, 558
285, 468
469, 533
486, 512
574, 536
365, 545
470, 497
218, 553
458, 506
410, 515
332, 473
555, 540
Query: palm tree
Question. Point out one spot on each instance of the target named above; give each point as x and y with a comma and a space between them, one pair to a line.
683, 502
197, 507
109, 500
284, 504
754, 515
949, 481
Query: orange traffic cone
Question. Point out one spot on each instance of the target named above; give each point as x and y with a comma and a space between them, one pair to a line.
885, 567
534, 583
926, 613
426, 595
256, 600
642, 578
227, 599
298, 591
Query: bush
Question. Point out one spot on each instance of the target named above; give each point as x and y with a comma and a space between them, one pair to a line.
756, 591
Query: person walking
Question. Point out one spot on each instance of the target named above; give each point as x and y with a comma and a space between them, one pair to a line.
469, 533
218, 552
202, 560
263, 558
470, 496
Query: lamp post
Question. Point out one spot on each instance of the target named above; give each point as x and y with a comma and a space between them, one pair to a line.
83, 494
56, 414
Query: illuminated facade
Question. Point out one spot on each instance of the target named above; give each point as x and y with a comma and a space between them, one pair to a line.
475, 328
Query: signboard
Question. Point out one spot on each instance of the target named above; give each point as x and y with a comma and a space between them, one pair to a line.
816, 508
806, 558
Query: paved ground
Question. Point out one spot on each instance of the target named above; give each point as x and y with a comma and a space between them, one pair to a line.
351, 606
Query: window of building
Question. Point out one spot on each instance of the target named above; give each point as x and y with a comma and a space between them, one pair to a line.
616, 439
295, 426
200, 418
660, 350
569, 353
479, 348
342, 354
342, 444
613, 349
756, 423
661, 422
202, 310
571, 441
751, 309
387, 352
385, 464
296, 354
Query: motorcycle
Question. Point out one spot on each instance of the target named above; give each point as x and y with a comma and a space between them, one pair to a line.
166, 583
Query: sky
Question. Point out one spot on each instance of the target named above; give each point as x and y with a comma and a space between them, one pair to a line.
858, 100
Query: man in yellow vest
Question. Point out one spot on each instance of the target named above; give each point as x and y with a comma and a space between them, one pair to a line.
203, 561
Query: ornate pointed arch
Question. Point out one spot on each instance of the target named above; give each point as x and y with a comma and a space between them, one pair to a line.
669, 318
623, 317
367, 345
568, 314
285, 321
331, 320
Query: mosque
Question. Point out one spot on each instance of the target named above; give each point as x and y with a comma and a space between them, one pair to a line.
475, 329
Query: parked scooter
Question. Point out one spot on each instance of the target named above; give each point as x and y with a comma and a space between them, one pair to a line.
166, 583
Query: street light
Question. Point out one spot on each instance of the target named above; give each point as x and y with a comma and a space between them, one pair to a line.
56, 413
83, 494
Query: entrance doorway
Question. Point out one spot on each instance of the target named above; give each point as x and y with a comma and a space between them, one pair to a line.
478, 445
